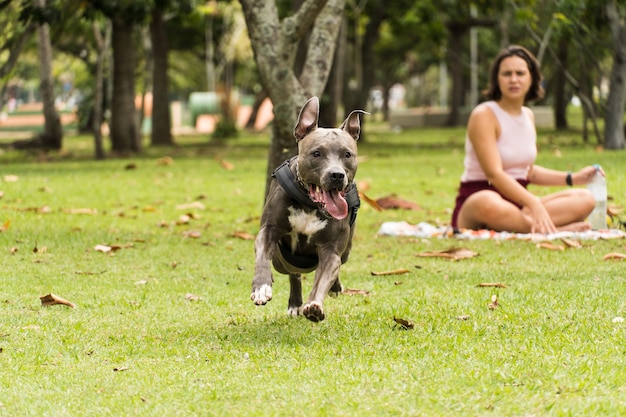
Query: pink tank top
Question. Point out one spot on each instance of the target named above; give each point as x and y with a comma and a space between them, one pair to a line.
517, 145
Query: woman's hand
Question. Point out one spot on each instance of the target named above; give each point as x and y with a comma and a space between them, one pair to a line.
541, 222
585, 175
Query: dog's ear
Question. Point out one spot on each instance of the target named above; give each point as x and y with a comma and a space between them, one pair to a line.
352, 124
307, 120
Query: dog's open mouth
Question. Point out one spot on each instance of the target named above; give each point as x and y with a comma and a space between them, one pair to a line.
333, 201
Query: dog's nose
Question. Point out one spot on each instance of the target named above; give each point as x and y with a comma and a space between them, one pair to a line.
337, 177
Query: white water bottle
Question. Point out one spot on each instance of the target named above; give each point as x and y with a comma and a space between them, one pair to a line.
597, 187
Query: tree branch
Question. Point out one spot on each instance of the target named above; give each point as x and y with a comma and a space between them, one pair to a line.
16, 50
299, 24
316, 68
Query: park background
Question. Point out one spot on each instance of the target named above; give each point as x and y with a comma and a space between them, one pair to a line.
134, 191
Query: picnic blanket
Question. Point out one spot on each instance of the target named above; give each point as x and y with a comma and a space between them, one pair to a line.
427, 230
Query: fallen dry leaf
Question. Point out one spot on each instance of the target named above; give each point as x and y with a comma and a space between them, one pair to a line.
393, 202
183, 219
451, 253
10, 178
491, 284
352, 291
111, 248
370, 201
243, 235
42, 249
570, 243
494, 302
120, 369
229, 166
102, 248
614, 256
550, 246
611, 210
463, 317
165, 161
404, 324
193, 234
81, 211
399, 271
188, 206
192, 297
130, 166
51, 299
363, 185
5, 226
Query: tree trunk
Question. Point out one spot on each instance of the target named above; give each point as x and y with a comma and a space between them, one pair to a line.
455, 65
125, 136
368, 57
560, 95
161, 122
53, 133
329, 103
275, 46
614, 119
259, 98
102, 51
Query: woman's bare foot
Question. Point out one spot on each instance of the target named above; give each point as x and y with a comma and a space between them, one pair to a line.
575, 227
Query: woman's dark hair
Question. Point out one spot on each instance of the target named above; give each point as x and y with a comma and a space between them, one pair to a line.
535, 91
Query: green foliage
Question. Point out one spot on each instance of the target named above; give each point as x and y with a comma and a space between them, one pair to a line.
49, 14
225, 129
165, 326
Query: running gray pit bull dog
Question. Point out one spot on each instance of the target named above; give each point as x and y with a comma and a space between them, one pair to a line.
308, 219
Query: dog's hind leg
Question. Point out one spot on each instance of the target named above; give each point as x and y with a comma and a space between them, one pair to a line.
336, 289
295, 295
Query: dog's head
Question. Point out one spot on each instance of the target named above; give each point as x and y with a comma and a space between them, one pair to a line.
327, 158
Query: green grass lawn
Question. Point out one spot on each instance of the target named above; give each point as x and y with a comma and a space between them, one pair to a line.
165, 325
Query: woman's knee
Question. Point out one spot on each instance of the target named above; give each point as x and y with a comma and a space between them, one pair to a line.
584, 201
483, 206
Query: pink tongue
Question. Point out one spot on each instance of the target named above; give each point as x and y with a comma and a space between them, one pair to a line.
336, 205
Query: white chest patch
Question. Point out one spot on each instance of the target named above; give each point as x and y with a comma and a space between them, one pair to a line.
306, 223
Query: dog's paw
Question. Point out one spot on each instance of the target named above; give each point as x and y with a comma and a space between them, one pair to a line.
261, 295
294, 311
313, 311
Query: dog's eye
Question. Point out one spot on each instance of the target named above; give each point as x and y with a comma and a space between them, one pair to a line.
348, 155
316, 154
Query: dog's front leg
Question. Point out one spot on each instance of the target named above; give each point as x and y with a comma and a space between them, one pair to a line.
326, 275
264, 248
295, 295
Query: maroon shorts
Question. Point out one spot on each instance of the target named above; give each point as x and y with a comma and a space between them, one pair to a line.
470, 187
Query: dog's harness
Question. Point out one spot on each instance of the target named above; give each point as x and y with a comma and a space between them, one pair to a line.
290, 183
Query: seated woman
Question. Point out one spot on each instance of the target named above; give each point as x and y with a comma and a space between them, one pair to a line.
500, 151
